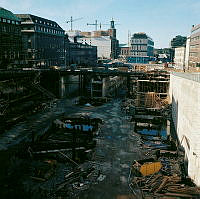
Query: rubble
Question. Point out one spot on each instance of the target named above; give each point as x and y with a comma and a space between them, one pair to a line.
161, 176
58, 160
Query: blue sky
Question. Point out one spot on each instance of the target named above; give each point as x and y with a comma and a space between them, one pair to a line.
160, 19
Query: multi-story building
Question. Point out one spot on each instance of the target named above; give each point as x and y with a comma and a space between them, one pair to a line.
10, 39
43, 41
124, 50
79, 53
103, 43
106, 41
194, 54
141, 50
179, 58
164, 54
178, 41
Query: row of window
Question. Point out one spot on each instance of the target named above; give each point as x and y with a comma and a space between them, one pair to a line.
49, 30
195, 38
125, 52
193, 54
11, 55
9, 29
141, 54
9, 21
139, 47
44, 29
194, 46
138, 41
46, 23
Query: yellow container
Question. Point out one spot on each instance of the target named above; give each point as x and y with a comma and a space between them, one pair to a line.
150, 168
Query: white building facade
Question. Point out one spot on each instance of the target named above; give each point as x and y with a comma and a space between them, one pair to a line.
103, 43
179, 58
187, 53
184, 94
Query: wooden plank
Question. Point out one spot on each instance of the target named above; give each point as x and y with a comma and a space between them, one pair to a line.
164, 181
39, 179
178, 194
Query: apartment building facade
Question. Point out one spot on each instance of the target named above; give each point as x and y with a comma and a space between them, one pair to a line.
43, 41
142, 48
179, 59
194, 51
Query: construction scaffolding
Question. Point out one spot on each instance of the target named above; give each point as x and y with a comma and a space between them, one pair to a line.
152, 91
150, 100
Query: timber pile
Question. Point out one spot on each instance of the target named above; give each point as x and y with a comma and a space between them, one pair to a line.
159, 186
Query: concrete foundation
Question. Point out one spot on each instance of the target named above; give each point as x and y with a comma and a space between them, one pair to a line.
184, 94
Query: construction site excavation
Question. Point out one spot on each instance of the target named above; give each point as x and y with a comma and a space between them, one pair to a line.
112, 139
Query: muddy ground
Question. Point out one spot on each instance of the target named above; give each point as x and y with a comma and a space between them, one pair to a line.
117, 148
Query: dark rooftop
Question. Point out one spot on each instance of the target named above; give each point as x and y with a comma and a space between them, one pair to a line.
6, 14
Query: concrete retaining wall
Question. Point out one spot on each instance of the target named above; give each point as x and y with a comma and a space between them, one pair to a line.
184, 94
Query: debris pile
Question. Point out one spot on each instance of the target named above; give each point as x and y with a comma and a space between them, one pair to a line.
59, 161
161, 174
157, 178
158, 185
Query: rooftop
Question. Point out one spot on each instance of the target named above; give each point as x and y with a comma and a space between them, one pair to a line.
6, 14
123, 46
191, 76
141, 35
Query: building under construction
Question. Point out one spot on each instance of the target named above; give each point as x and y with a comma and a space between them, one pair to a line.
151, 92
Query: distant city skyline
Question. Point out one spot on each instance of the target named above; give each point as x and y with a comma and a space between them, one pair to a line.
161, 20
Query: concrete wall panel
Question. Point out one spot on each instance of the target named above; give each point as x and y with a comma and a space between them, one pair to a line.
184, 94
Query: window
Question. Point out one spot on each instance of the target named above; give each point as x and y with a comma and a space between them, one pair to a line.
13, 22
3, 29
4, 20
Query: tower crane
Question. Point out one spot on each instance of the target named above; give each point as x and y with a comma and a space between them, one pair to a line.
112, 24
93, 24
72, 20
